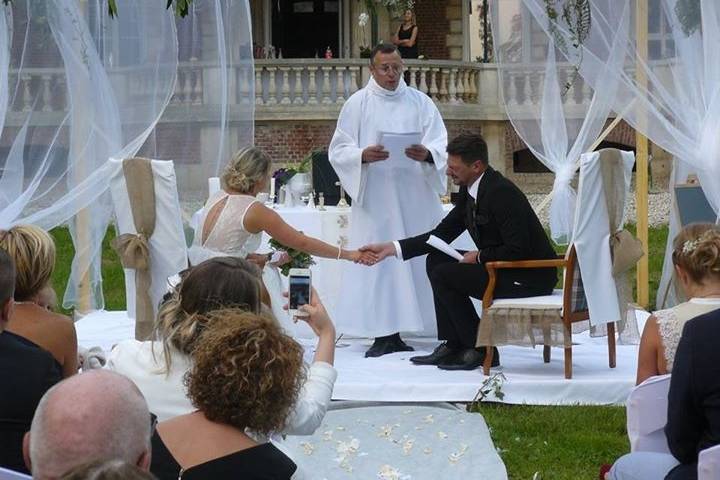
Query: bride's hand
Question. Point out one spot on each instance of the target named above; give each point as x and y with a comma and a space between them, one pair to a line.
364, 258
284, 258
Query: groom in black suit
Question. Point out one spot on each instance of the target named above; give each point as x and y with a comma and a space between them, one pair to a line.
503, 226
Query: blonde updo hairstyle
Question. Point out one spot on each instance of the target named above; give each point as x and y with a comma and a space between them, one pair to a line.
33, 251
248, 168
696, 250
221, 282
246, 372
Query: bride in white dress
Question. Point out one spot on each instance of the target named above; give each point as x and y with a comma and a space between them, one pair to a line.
233, 220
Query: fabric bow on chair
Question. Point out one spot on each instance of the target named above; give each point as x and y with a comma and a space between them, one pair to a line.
133, 249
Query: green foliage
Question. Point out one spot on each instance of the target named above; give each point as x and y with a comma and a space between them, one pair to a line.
182, 7
493, 384
577, 19
689, 15
298, 259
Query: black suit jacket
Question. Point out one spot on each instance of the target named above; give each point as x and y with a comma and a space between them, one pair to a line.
502, 224
693, 422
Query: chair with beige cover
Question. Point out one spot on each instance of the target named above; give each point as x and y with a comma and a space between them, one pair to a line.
150, 237
595, 291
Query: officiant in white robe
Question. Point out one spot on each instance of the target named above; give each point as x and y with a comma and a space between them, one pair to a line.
394, 196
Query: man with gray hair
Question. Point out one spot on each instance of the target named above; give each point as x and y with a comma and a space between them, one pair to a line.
98, 415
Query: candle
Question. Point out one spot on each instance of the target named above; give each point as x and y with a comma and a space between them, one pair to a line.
272, 189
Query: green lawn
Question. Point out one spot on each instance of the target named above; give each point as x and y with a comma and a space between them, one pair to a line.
558, 442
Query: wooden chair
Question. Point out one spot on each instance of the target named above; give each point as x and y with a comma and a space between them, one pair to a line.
569, 303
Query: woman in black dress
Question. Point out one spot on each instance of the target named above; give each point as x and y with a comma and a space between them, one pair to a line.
246, 375
406, 36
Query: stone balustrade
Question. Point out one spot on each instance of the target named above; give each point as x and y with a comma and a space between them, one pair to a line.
316, 88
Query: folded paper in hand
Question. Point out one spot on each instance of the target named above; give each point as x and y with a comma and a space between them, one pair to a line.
441, 245
396, 143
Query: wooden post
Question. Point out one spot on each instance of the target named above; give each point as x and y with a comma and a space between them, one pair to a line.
641, 155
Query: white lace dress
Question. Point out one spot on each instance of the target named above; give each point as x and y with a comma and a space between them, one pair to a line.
672, 320
228, 236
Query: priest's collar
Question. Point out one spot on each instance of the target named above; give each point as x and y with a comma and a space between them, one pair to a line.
373, 87
474, 187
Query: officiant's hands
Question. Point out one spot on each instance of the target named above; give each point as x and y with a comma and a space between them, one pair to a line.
380, 250
374, 153
417, 152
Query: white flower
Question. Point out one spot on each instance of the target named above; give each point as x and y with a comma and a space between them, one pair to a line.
308, 448
363, 19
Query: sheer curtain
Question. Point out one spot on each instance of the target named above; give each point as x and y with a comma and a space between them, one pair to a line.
554, 112
83, 88
673, 96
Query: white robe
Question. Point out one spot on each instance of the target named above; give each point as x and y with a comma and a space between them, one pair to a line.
391, 201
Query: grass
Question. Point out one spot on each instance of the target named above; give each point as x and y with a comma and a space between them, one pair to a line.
558, 442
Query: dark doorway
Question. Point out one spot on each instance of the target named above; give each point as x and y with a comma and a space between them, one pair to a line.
305, 28
525, 162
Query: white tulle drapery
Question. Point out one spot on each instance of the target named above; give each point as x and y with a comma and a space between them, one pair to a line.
554, 112
672, 95
81, 88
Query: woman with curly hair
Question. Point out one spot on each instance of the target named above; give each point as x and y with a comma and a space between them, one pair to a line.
33, 251
158, 368
696, 257
246, 375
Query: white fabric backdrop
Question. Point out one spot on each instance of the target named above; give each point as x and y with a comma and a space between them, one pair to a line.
83, 88
540, 98
675, 101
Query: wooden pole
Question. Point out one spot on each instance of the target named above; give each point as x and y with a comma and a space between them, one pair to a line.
641, 155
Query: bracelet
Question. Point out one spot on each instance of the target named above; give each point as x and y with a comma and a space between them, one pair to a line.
339, 252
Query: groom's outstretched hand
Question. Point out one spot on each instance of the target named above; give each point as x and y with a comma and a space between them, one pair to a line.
380, 250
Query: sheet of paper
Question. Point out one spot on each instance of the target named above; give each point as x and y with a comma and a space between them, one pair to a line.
396, 143
441, 245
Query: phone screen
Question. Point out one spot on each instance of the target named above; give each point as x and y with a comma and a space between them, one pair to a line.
299, 292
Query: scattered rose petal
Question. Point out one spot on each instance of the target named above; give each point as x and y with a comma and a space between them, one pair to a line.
308, 448
407, 446
428, 419
442, 435
327, 436
427, 450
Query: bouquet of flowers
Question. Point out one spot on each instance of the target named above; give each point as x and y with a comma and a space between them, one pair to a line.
283, 175
298, 259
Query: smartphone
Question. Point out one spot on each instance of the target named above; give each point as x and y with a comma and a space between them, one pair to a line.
299, 291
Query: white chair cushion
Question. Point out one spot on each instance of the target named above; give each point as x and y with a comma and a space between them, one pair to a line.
535, 303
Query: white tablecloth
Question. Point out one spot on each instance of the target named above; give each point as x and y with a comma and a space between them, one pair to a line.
332, 226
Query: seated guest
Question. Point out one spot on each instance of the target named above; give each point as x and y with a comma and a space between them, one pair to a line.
98, 415
246, 375
693, 422
108, 470
697, 270
233, 220
26, 373
33, 251
503, 226
158, 369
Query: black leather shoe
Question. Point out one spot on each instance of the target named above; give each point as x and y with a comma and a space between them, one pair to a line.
384, 345
441, 354
469, 359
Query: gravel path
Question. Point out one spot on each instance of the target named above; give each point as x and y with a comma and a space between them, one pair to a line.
658, 208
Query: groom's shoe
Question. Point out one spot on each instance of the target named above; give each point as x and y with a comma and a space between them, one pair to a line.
470, 359
389, 344
441, 354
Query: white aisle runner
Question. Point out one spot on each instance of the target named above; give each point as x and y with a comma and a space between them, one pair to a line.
398, 442
392, 378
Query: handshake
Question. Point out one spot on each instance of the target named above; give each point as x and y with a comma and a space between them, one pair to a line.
373, 253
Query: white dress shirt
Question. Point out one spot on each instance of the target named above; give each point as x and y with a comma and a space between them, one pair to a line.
472, 191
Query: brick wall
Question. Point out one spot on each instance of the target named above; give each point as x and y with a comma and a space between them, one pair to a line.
433, 28
290, 142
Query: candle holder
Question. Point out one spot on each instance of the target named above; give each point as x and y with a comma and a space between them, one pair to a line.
342, 203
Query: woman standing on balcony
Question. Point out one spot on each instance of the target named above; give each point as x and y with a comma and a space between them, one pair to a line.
406, 36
